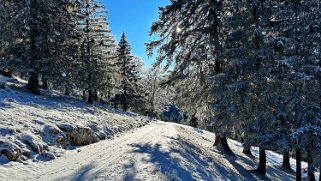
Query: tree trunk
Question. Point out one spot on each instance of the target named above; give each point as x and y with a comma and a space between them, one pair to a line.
262, 162
152, 108
90, 96
108, 95
247, 151
217, 140
45, 83
152, 99
298, 164
84, 95
96, 95
67, 91
311, 175
193, 121
286, 160
123, 100
222, 145
125, 106
33, 84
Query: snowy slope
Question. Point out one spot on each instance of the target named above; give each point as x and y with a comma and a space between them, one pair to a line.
37, 127
158, 151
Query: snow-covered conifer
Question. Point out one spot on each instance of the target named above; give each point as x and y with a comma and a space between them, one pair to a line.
130, 89
98, 55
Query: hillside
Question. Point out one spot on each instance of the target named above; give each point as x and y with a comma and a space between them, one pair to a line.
38, 129
42, 127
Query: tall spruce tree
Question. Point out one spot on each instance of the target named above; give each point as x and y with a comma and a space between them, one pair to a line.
193, 46
63, 59
130, 93
98, 55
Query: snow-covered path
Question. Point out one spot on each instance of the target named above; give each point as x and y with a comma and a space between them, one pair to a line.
157, 151
118, 159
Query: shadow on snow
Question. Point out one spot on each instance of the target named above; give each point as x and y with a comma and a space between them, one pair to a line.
170, 167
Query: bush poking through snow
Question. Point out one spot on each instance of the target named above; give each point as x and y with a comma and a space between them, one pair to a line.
82, 136
11, 154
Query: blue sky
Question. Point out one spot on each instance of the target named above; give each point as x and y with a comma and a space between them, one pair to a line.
134, 17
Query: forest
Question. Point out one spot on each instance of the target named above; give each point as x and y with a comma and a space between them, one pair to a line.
247, 70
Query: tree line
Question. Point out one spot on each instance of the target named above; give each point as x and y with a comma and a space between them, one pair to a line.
68, 46
247, 70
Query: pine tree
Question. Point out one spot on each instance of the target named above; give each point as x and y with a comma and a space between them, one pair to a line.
130, 96
195, 59
39, 30
64, 57
285, 75
5, 10
233, 59
97, 50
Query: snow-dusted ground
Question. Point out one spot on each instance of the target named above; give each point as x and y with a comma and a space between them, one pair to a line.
158, 151
37, 127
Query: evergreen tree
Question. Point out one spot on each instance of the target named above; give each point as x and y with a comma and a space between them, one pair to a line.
64, 57
251, 63
98, 55
5, 9
193, 46
285, 75
39, 30
130, 96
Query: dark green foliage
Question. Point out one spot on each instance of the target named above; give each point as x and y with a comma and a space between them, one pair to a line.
252, 67
65, 45
98, 52
131, 95
34, 38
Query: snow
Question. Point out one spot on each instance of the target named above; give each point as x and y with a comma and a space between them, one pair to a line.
32, 125
156, 151
3, 79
